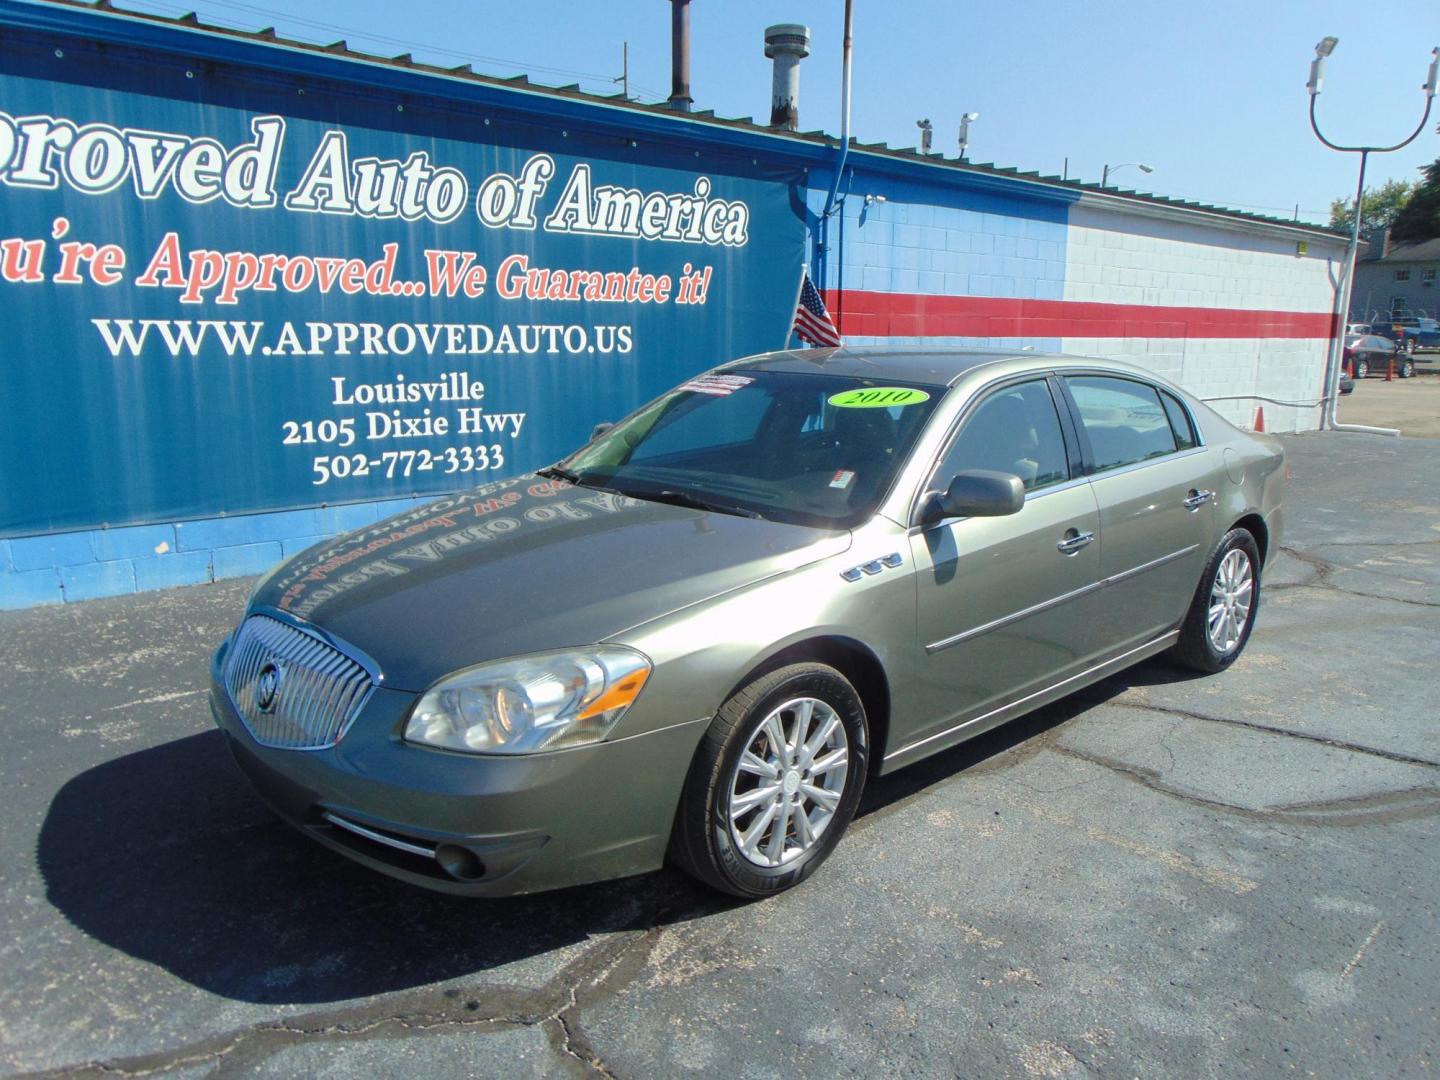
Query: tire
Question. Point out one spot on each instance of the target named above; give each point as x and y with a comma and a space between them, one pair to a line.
1198, 648
1362, 368
709, 839
1406, 368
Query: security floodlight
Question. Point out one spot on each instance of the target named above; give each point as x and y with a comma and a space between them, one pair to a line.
1317, 66
874, 200
927, 134
965, 121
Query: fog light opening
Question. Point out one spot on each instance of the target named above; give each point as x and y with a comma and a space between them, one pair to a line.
460, 863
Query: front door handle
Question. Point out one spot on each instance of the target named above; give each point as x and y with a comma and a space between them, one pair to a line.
1074, 541
1197, 498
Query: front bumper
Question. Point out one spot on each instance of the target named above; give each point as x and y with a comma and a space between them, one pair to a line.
471, 824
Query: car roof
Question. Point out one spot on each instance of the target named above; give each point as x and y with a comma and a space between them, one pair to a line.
929, 365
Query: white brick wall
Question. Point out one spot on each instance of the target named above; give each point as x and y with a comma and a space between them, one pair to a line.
1124, 258
1117, 258
1219, 368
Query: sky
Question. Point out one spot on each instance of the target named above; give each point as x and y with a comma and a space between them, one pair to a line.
1211, 96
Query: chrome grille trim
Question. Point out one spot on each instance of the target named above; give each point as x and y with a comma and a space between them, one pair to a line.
323, 687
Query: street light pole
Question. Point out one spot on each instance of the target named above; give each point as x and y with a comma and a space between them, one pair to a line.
1105, 172
1337, 340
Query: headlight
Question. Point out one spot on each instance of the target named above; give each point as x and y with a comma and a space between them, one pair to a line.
541, 702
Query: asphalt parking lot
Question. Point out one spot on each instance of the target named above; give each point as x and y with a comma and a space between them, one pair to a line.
1410, 406
1165, 876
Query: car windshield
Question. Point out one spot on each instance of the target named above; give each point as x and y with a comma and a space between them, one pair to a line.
804, 448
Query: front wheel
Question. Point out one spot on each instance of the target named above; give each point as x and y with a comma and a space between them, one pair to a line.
1222, 611
1407, 368
1362, 368
775, 782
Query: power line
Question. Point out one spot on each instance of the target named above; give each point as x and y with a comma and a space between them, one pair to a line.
368, 35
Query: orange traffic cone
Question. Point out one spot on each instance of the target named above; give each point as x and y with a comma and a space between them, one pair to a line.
1260, 418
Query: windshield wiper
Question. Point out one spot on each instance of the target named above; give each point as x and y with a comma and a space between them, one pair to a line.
697, 502
555, 472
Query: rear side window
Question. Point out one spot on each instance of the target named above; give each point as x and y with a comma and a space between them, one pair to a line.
1180, 425
1014, 430
1124, 420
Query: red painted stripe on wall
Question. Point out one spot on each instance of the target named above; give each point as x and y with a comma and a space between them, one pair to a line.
880, 314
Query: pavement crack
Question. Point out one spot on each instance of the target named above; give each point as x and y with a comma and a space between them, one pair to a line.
1324, 568
1375, 809
1360, 953
598, 972
1273, 729
1150, 778
572, 1041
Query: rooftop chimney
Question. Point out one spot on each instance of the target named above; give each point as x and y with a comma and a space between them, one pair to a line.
680, 98
787, 44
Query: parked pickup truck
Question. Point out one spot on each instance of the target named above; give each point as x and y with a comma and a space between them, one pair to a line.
1414, 331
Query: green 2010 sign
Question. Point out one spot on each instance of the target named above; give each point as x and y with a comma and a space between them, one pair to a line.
878, 397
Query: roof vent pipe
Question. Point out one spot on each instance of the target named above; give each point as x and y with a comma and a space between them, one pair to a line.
787, 44
680, 99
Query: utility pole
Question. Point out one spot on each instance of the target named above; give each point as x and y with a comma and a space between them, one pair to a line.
624, 71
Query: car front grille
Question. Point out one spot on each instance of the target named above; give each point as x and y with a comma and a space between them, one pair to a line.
292, 688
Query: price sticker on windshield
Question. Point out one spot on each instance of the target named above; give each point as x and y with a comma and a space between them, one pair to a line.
877, 397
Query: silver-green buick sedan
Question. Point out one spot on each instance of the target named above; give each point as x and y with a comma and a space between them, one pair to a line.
695, 637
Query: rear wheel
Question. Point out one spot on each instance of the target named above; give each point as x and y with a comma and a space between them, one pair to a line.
1406, 368
1362, 368
775, 782
1222, 611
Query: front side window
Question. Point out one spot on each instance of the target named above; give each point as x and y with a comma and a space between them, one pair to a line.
1124, 420
805, 448
1015, 430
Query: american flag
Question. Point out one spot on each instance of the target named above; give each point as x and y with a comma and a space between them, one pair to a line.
812, 321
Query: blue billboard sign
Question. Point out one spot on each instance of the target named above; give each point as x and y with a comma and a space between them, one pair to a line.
225, 295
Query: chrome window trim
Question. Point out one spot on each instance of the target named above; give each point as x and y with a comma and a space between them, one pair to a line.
1127, 376
1056, 601
1032, 696
1135, 466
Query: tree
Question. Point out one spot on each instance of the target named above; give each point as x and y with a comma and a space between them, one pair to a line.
1420, 217
1382, 205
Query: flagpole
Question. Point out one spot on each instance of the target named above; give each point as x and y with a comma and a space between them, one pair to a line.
799, 288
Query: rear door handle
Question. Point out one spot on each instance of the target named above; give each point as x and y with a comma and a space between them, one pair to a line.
1074, 541
1198, 497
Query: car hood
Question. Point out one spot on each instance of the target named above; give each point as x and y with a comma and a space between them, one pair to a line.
523, 566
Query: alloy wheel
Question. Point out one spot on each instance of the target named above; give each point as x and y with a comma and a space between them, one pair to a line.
788, 782
1231, 595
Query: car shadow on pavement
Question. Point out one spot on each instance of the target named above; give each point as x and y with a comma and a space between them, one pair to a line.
166, 855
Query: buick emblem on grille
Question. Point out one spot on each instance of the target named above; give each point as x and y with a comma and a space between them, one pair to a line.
267, 686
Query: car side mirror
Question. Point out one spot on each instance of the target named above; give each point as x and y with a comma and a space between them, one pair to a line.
600, 429
976, 493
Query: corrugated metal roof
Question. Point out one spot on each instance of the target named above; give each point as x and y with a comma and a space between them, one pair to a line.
406, 61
